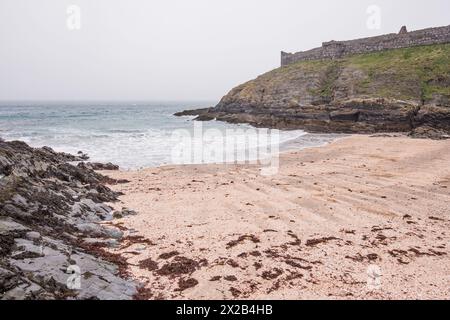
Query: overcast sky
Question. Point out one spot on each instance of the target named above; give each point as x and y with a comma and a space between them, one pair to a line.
176, 49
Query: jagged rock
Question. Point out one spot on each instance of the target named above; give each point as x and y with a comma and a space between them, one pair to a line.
99, 166
49, 218
8, 225
33, 235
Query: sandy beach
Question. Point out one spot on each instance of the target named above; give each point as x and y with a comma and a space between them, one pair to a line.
361, 218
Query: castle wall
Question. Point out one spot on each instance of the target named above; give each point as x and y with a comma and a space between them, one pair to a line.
339, 49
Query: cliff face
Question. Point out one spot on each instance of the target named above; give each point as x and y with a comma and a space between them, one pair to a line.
396, 90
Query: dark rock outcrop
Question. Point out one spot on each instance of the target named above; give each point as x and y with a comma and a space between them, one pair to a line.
99, 166
49, 231
426, 132
391, 91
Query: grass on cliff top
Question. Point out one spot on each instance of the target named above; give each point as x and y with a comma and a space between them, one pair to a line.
410, 73
429, 64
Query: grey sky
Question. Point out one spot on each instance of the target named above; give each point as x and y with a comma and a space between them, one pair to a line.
175, 49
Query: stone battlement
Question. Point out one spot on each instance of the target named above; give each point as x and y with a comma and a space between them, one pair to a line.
339, 49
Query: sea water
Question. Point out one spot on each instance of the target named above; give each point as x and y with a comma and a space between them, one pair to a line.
132, 135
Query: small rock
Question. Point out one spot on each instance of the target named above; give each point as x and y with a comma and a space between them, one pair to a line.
117, 215
426, 132
104, 166
128, 212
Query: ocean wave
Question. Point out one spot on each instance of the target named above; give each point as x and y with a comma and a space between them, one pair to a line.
129, 136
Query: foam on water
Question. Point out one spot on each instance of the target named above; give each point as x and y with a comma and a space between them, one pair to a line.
130, 135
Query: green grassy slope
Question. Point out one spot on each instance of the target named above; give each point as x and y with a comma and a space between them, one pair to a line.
420, 74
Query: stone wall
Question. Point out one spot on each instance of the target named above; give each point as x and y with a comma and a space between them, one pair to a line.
339, 49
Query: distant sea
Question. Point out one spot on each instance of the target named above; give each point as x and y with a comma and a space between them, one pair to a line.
132, 135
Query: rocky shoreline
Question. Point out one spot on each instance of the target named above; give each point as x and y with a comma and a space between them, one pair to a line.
53, 232
392, 91
356, 116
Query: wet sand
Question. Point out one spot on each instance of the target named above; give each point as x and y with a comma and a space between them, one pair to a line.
361, 218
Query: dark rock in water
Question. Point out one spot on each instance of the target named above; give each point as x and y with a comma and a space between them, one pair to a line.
49, 214
191, 112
